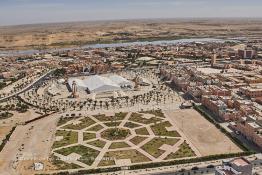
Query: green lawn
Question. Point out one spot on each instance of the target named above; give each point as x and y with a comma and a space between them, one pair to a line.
184, 151
152, 147
63, 120
137, 139
69, 137
61, 165
88, 136
107, 161
117, 116
88, 155
136, 117
157, 113
142, 131
134, 155
115, 134
131, 125
102, 117
120, 115
160, 130
85, 122
97, 143
97, 127
116, 145
112, 124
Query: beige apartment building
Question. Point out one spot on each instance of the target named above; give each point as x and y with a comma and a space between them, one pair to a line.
251, 92
251, 129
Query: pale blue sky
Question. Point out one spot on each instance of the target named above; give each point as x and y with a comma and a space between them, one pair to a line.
45, 11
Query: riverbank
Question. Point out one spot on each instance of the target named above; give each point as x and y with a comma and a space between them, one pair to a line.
164, 41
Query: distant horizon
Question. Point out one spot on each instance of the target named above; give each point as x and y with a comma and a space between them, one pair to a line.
136, 19
22, 12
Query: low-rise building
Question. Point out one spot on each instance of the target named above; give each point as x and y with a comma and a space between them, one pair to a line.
237, 166
251, 129
251, 92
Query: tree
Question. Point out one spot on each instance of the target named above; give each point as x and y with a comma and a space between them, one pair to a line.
101, 104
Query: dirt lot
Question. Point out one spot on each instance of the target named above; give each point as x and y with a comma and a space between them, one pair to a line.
7, 124
203, 135
4, 130
19, 117
32, 141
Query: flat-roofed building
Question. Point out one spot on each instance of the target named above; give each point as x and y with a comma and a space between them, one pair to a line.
251, 92
250, 129
237, 166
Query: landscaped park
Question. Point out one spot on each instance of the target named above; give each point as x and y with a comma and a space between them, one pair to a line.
119, 139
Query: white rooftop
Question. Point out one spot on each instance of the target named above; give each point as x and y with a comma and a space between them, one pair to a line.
145, 59
98, 83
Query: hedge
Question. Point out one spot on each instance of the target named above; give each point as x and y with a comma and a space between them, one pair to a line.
7, 138
194, 160
246, 152
157, 164
38, 118
91, 171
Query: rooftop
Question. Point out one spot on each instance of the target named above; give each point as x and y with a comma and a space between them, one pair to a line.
240, 162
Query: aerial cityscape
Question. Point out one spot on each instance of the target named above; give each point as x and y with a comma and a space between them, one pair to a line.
110, 88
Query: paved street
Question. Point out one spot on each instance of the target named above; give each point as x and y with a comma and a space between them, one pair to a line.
28, 87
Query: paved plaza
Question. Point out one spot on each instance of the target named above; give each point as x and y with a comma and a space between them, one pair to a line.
149, 136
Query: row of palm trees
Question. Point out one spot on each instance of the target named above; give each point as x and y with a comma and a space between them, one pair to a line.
160, 94
17, 86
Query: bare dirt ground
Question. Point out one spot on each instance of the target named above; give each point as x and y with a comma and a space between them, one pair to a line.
19, 118
28, 143
7, 124
4, 130
41, 36
202, 134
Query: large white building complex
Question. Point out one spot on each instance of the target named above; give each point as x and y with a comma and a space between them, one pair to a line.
100, 84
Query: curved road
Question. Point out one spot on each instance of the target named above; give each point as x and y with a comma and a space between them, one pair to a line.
27, 87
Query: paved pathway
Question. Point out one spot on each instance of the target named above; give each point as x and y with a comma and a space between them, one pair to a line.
197, 152
172, 149
102, 151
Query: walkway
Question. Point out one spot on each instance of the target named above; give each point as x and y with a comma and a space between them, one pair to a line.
128, 140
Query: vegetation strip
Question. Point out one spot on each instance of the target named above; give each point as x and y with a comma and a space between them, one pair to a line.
7, 137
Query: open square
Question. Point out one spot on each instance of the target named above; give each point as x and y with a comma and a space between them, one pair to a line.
105, 140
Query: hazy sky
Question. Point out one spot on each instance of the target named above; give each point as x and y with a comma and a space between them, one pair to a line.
42, 11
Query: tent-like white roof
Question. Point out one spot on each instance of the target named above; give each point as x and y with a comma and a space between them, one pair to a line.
119, 80
95, 84
79, 82
99, 83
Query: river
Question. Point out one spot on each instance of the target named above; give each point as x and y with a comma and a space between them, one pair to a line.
124, 44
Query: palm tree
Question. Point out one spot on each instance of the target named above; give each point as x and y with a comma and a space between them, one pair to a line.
126, 98
107, 104
101, 104
95, 103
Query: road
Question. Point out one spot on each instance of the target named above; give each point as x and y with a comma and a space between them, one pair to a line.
257, 167
186, 169
27, 87
241, 138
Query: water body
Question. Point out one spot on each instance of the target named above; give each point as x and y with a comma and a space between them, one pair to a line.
159, 42
125, 44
